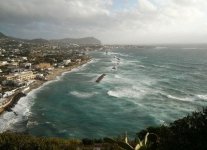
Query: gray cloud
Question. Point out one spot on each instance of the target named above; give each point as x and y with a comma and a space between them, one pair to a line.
157, 21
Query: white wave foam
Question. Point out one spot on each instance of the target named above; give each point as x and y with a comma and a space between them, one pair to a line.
160, 47
188, 99
117, 76
22, 109
83, 94
141, 66
204, 97
119, 54
134, 63
189, 48
32, 124
162, 66
128, 92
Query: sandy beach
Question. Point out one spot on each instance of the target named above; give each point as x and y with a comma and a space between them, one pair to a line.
54, 73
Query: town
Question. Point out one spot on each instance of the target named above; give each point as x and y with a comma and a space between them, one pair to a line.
26, 64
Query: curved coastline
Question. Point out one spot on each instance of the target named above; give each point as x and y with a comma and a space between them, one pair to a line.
37, 85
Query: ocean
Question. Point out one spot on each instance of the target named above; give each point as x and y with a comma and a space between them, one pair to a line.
146, 86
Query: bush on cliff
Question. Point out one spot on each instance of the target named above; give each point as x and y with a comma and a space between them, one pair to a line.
15, 141
188, 133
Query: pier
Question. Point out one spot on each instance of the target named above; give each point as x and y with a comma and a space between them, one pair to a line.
10, 102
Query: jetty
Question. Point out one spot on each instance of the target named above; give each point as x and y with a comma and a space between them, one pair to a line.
8, 104
100, 77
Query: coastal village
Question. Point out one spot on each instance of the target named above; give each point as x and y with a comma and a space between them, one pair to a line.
27, 64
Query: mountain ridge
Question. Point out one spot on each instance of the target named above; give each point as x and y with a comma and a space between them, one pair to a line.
79, 41
2, 35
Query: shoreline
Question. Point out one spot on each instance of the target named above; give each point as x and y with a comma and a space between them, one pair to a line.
12, 101
55, 73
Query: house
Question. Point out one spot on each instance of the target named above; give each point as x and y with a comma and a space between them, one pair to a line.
78, 60
43, 66
15, 70
24, 58
26, 65
67, 61
3, 63
26, 75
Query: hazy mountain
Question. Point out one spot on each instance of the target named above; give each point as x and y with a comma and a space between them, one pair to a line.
79, 41
2, 35
40, 41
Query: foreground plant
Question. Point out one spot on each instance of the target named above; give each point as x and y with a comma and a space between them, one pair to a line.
148, 143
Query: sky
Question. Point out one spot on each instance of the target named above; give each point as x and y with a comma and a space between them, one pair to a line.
111, 21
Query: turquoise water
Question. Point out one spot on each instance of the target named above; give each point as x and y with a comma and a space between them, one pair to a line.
150, 86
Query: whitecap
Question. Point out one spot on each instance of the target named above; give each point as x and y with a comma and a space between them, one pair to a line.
191, 48
188, 99
160, 47
32, 124
80, 94
127, 92
162, 66
117, 76
119, 54
204, 97
21, 111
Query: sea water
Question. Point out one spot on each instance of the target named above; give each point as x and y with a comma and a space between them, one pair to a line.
146, 86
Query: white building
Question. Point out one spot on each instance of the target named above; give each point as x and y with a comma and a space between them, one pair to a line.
66, 62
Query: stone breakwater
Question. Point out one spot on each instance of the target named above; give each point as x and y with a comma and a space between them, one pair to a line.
12, 102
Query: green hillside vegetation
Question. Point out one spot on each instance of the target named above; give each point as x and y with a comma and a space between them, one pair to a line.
188, 133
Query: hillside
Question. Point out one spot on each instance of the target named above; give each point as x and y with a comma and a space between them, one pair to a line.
2, 35
78, 41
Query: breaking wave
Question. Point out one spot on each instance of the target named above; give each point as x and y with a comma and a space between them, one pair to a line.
132, 92
186, 99
19, 113
82, 94
204, 97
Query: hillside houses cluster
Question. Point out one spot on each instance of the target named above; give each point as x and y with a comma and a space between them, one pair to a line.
20, 67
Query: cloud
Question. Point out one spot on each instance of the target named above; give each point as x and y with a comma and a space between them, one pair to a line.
148, 21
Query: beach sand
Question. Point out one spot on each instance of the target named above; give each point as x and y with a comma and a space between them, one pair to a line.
54, 73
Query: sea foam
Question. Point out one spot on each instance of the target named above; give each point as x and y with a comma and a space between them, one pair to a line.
80, 94
22, 110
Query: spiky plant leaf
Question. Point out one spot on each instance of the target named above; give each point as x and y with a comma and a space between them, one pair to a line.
125, 146
126, 139
138, 146
146, 139
139, 140
109, 140
141, 143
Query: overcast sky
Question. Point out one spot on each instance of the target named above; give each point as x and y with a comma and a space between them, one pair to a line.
111, 21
